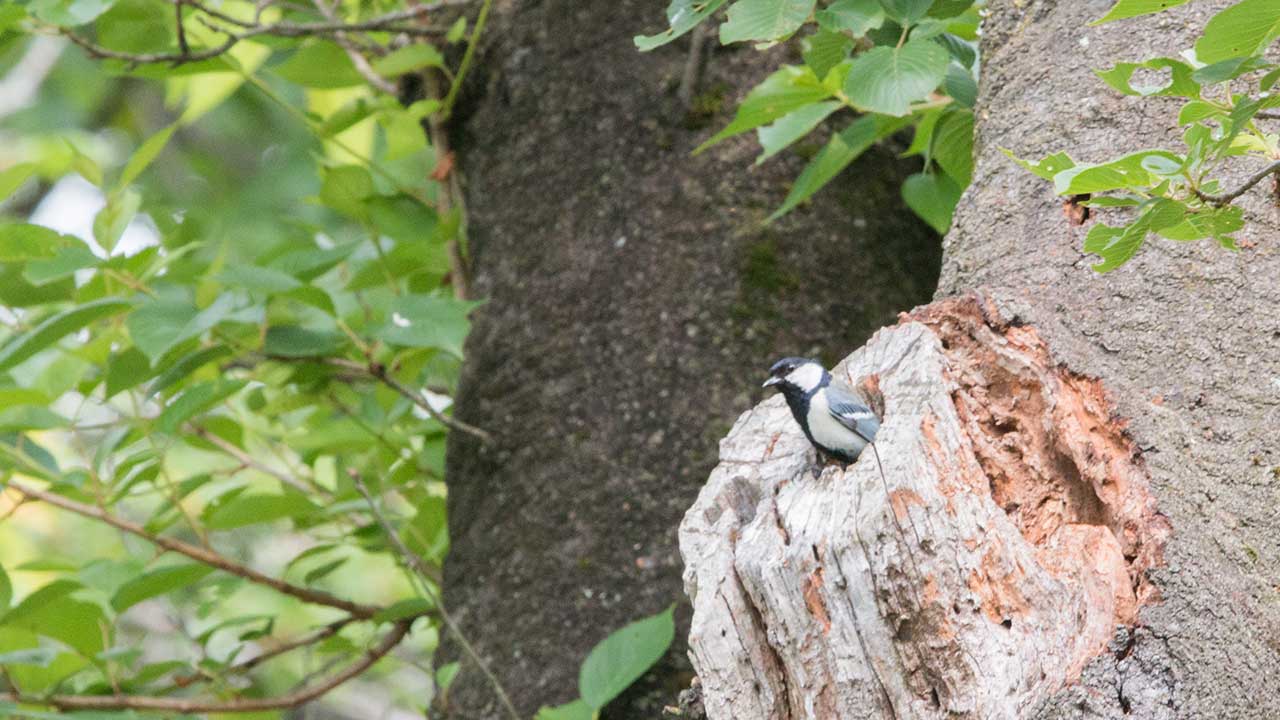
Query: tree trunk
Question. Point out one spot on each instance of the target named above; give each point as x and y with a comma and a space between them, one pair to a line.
634, 304
1077, 515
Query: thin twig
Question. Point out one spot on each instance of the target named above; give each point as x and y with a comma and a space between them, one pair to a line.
201, 705
248, 461
245, 666
182, 30
358, 60
379, 372
459, 273
1226, 198
199, 554
417, 564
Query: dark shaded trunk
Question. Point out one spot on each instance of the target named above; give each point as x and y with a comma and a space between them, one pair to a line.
635, 302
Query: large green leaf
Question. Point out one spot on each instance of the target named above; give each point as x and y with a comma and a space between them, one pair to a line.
53, 612
294, 341
69, 13
682, 16
161, 324
157, 582
824, 50
622, 657
1116, 245
57, 327
764, 20
144, 155
855, 17
1128, 172
906, 12
1180, 83
20, 242
790, 88
841, 150
887, 80
1133, 8
793, 126
195, 400
952, 146
1242, 30
932, 196
411, 57
249, 509
320, 64
186, 365
428, 321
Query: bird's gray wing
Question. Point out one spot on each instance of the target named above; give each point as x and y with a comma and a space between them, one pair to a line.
848, 409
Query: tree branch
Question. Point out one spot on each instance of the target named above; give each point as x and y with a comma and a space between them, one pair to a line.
419, 566
1226, 198
201, 705
248, 461
240, 668
199, 554
459, 273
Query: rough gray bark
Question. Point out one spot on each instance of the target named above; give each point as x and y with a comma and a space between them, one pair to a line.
634, 304
1186, 342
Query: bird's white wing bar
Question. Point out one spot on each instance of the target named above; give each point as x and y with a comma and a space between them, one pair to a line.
847, 408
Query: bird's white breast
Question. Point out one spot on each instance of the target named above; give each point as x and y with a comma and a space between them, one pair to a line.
827, 431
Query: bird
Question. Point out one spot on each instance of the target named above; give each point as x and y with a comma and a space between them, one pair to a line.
832, 415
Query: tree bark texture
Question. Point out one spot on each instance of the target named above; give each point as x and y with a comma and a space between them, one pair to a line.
634, 304
1079, 512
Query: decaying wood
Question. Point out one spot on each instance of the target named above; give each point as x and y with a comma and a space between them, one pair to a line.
1008, 536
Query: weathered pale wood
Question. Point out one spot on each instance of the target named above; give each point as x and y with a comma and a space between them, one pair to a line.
927, 591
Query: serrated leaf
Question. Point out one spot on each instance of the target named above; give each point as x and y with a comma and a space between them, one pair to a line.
622, 657
195, 400
1133, 8
793, 126
157, 582
764, 20
789, 89
1244, 29
855, 17
933, 197
841, 150
1181, 81
906, 12
887, 80
57, 327
682, 16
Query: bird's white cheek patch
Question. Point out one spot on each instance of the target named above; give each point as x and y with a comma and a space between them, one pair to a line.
806, 377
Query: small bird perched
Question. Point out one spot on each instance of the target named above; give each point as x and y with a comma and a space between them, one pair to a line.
830, 413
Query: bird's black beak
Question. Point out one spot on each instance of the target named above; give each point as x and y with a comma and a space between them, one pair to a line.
771, 382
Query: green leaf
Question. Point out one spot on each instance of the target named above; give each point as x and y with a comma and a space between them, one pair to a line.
157, 582
1123, 173
320, 64
69, 13
404, 609
793, 126
144, 155
75, 256
1116, 245
12, 177
1133, 8
887, 80
1242, 30
250, 509
20, 242
1206, 223
932, 196
952, 146
789, 89
1181, 82
125, 370
855, 17
407, 59
321, 571
195, 400
1197, 110
293, 341
457, 30
428, 321
161, 324
28, 417
1229, 69
263, 279
346, 188
622, 657
52, 612
112, 220
576, 710
682, 16
824, 50
961, 50
40, 657
6, 590
187, 365
841, 150
764, 20
906, 12
961, 86
57, 327
1047, 167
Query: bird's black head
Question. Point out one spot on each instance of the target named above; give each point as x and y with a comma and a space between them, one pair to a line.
796, 375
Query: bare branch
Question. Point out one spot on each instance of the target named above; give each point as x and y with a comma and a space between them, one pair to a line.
1226, 198
358, 60
416, 563
245, 666
202, 705
199, 554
